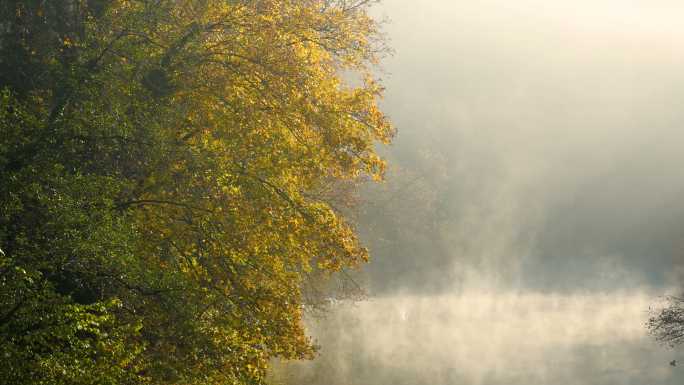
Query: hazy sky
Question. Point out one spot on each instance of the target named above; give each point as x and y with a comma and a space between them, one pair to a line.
538, 170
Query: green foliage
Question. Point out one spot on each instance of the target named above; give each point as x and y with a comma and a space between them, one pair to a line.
163, 168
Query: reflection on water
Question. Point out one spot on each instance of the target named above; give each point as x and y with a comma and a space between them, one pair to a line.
489, 338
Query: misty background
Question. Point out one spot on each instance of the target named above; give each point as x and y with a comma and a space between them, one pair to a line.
533, 208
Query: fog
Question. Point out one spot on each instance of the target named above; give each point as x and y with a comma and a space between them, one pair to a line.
532, 211
488, 338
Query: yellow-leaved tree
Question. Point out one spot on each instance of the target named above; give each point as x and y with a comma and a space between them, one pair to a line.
191, 140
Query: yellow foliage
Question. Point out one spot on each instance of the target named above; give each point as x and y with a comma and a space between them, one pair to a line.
234, 116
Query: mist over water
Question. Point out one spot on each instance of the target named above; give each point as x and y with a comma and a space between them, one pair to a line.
488, 338
533, 209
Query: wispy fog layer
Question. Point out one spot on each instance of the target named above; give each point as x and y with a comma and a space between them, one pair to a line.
488, 338
535, 205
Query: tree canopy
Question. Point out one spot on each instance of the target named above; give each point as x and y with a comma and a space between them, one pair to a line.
166, 168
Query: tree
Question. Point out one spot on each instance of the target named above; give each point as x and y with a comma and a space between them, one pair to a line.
164, 164
667, 324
